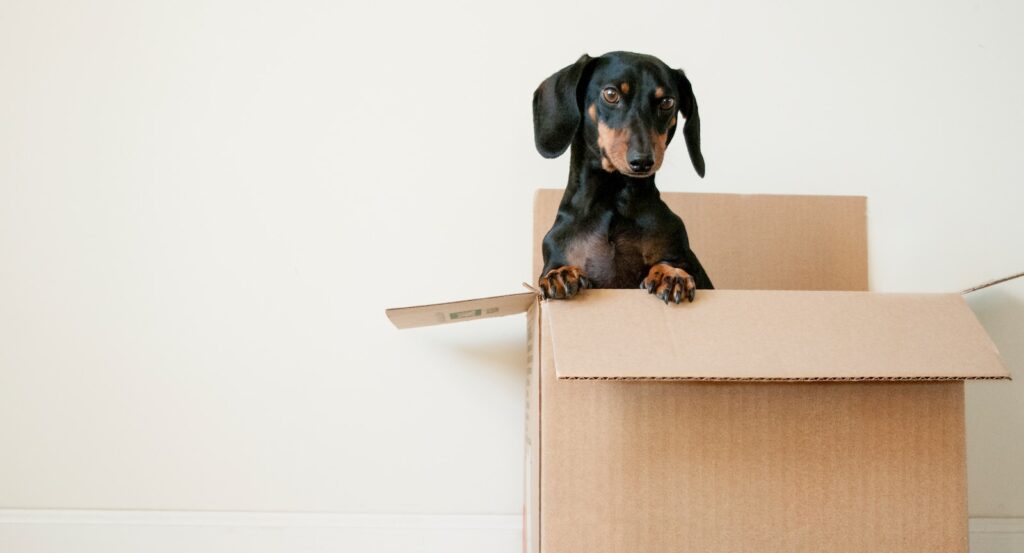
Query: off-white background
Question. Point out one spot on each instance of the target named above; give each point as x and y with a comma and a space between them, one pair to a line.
206, 206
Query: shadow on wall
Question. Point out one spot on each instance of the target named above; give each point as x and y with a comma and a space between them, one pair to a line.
505, 354
495, 347
995, 410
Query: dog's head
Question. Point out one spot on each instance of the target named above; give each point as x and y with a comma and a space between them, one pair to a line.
627, 104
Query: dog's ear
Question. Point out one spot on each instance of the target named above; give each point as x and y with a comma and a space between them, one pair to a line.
691, 129
556, 109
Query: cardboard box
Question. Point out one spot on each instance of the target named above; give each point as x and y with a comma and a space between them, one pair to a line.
789, 410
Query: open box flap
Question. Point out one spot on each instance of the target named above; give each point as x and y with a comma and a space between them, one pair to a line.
770, 335
458, 311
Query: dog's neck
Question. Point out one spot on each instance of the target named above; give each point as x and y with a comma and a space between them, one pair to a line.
593, 189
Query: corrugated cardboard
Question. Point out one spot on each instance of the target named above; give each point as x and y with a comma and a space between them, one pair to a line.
733, 467
626, 453
786, 335
459, 311
760, 242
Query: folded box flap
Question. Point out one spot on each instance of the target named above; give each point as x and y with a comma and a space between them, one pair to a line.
459, 311
770, 335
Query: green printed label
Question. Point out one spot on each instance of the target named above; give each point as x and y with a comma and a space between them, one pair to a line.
464, 314
470, 313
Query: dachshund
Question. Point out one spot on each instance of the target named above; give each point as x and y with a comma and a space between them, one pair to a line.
618, 112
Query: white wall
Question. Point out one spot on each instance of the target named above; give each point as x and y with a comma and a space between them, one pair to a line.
205, 208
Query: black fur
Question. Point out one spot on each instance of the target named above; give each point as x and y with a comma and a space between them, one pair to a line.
612, 226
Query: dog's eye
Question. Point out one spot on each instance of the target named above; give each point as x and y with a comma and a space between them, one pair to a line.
610, 95
667, 103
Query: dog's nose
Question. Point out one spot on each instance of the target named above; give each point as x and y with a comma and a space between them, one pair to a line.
641, 163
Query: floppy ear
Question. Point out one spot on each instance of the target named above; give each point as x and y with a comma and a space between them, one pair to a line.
556, 109
691, 129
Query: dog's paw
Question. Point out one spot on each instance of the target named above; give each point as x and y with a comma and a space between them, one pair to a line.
669, 283
563, 282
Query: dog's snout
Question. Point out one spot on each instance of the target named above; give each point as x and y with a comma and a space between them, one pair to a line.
641, 163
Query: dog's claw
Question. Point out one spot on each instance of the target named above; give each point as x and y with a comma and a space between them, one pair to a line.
669, 284
571, 287
562, 282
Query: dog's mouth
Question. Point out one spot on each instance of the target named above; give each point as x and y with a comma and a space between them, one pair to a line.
636, 175
609, 165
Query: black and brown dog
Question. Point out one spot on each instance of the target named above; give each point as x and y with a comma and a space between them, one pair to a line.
618, 111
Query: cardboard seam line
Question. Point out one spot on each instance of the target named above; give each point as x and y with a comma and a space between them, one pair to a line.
539, 369
787, 379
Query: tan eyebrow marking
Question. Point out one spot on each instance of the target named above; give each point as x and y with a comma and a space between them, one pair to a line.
659, 92
624, 87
